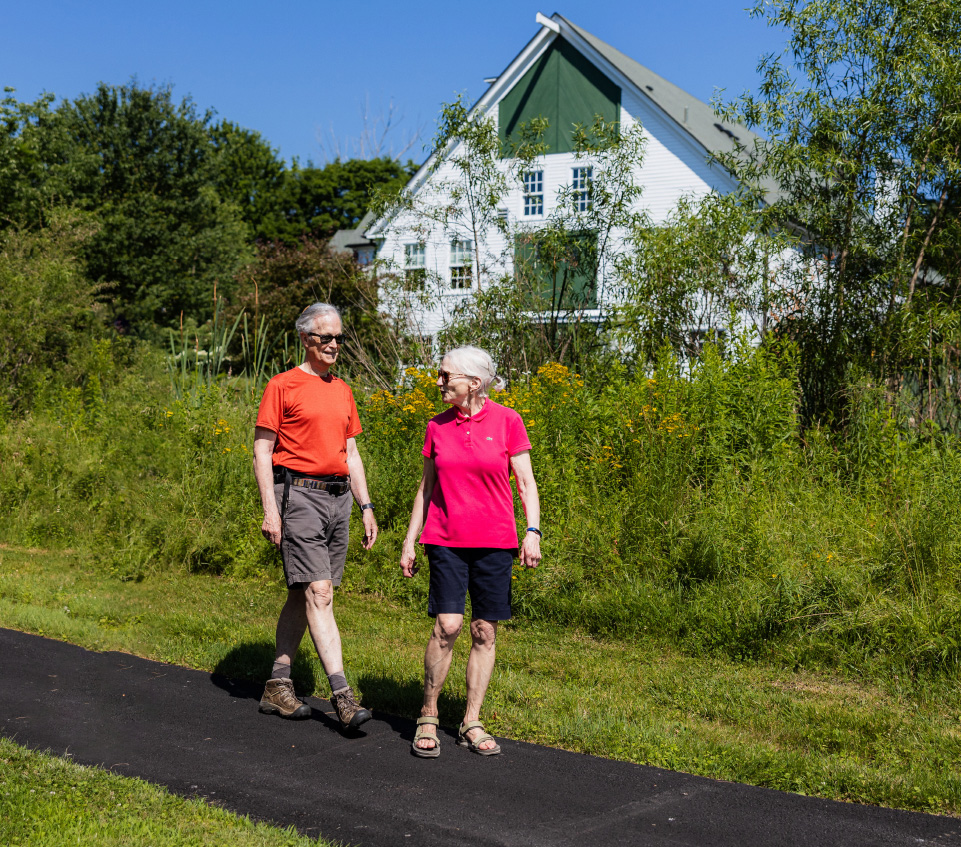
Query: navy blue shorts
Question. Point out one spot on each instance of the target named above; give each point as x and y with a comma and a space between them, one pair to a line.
485, 572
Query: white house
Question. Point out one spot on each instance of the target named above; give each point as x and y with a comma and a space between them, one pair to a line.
568, 76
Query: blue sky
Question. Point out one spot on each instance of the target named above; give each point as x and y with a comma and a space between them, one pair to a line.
301, 73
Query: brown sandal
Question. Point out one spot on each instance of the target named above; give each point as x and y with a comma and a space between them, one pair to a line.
473, 746
426, 752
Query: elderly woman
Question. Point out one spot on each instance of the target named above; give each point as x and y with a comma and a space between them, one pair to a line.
465, 507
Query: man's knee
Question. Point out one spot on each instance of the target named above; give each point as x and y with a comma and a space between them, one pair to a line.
320, 594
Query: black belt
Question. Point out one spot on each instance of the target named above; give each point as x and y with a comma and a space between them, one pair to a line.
334, 485
341, 486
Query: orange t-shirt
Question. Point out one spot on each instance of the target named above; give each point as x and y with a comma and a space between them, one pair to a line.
313, 417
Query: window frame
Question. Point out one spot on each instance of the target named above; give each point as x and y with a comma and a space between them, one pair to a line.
415, 275
461, 264
533, 182
582, 177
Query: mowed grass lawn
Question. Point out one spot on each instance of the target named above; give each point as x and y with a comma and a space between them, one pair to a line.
894, 743
46, 801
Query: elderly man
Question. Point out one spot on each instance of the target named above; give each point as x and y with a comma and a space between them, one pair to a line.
306, 464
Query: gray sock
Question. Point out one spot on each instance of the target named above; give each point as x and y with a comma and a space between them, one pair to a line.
338, 682
280, 671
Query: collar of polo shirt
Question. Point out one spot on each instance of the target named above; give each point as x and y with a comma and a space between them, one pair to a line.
477, 416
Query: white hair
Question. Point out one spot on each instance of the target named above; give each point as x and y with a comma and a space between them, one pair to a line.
305, 323
473, 361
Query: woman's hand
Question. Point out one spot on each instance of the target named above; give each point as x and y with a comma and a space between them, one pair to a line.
531, 550
408, 558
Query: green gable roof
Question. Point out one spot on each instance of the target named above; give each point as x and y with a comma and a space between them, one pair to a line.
564, 87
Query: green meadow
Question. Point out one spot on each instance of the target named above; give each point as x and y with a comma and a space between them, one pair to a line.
719, 594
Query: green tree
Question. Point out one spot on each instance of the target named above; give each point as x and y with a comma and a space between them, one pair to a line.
861, 118
319, 201
143, 165
248, 173
284, 279
48, 308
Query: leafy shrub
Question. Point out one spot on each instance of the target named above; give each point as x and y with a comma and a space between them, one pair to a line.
670, 510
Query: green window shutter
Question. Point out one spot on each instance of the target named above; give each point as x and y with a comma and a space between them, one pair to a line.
557, 275
563, 87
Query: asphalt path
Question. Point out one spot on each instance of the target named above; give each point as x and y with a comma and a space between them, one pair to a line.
201, 735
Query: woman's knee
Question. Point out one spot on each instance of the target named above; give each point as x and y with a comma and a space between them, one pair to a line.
448, 627
483, 633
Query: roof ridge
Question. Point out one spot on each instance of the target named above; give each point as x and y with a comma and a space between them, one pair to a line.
691, 113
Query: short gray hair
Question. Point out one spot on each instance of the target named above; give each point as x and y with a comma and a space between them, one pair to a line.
473, 361
305, 322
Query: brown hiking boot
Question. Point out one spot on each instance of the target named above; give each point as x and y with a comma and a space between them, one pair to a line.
279, 699
350, 712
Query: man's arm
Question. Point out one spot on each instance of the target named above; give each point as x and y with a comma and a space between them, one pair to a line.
264, 440
358, 487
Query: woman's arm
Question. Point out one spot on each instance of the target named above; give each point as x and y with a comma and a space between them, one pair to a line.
530, 553
418, 515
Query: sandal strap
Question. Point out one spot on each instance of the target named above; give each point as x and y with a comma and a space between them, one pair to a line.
421, 733
467, 727
429, 720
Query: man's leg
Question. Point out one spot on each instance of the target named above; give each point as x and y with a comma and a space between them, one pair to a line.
319, 618
480, 666
291, 626
326, 637
279, 695
437, 659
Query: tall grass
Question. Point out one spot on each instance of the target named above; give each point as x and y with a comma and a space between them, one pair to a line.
682, 505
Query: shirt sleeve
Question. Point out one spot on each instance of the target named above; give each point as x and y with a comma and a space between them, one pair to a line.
517, 439
353, 422
428, 450
271, 411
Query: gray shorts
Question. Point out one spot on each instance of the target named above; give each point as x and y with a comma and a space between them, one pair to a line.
316, 529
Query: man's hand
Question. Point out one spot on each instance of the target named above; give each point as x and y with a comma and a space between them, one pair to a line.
370, 528
408, 559
272, 528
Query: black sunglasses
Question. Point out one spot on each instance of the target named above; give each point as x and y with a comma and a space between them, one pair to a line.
326, 339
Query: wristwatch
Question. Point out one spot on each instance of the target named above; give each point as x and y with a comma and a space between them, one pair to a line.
367, 506
534, 529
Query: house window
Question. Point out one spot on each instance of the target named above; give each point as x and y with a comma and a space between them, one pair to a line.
461, 262
534, 193
415, 266
582, 188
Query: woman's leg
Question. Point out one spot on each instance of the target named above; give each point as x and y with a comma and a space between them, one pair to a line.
437, 659
480, 666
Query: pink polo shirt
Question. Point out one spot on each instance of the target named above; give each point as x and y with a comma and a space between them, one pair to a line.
472, 504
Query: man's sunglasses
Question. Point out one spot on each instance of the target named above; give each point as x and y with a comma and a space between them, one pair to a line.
326, 339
